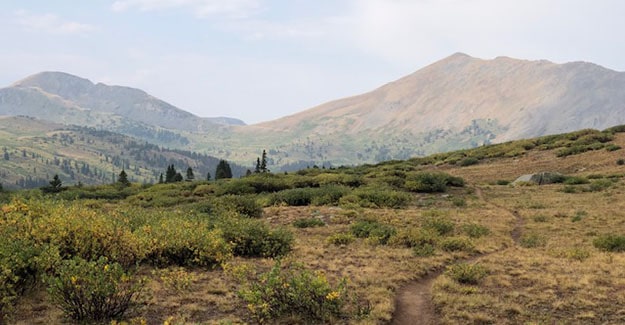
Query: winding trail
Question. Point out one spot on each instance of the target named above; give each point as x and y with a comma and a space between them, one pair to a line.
413, 302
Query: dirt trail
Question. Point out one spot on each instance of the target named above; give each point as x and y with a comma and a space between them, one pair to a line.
413, 303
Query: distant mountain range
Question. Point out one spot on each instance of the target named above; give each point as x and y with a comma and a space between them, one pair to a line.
458, 102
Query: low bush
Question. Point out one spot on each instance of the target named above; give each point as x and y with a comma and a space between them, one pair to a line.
93, 290
425, 250
612, 147
373, 229
179, 241
502, 182
469, 161
342, 238
466, 273
295, 292
532, 241
382, 198
610, 243
308, 223
576, 180
253, 238
620, 162
442, 225
243, 205
414, 238
325, 195
456, 244
475, 231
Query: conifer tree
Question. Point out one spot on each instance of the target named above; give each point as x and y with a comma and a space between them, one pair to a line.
122, 180
170, 174
160, 179
263, 163
208, 176
190, 176
223, 170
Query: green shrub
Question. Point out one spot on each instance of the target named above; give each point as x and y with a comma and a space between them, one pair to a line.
455, 244
425, 250
459, 202
575, 180
373, 229
382, 197
427, 182
253, 238
414, 238
620, 162
234, 187
243, 205
540, 218
342, 238
475, 231
502, 182
93, 290
532, 241
610, 243
308, 223
612, 147
599, 185
295, 292
326, 195
569, 189
469, 161
441, 225
466, 273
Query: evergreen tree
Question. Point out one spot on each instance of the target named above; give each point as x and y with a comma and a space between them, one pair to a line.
123, 179
223, 170
257, 168
208, 176
263, 163
190, 176
56, 183
178, 177
160, 179
170, 174
248, 172
6, 155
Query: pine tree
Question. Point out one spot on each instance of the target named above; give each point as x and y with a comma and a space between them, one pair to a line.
170, 174
122, 180
178, 177
160, 179
223, 170
190, 176
263, 163
208, 176
56, 183
257, 168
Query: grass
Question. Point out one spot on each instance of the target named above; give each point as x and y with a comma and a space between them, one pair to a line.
565, 268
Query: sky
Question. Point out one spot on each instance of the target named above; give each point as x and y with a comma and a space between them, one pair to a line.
259, 60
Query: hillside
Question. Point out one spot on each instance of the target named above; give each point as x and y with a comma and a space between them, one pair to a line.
458, 102
439, 239
35, 150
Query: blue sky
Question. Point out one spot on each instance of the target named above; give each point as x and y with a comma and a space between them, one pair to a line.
262, 59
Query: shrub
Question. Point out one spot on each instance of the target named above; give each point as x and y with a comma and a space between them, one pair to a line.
308, 223
427, 182
93, 290
459, 202
475, 231
612, 147
569, 189
540, 218
610, 243
455, 244
293, 197
341, 239
372, 229
441, 225
414, 238
253, 238
382, 197
424, 250
469, 161
243, 205
620, 162
179, 241
575, 180
599, 185
532, 241
294, 292
466, 273
502, 182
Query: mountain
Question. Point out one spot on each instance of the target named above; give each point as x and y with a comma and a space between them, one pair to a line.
455, 103
68, 99
34, 150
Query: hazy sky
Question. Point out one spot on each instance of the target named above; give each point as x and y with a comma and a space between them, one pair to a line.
261, 59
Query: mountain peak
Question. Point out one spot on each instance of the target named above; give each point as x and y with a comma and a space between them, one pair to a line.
59, 83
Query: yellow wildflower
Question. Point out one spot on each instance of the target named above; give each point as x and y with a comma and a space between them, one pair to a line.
74, 279
333, 295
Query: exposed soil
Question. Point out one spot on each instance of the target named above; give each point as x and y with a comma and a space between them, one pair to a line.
413, 303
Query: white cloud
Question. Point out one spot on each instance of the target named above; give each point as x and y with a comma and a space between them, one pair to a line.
200, 8
51, 23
